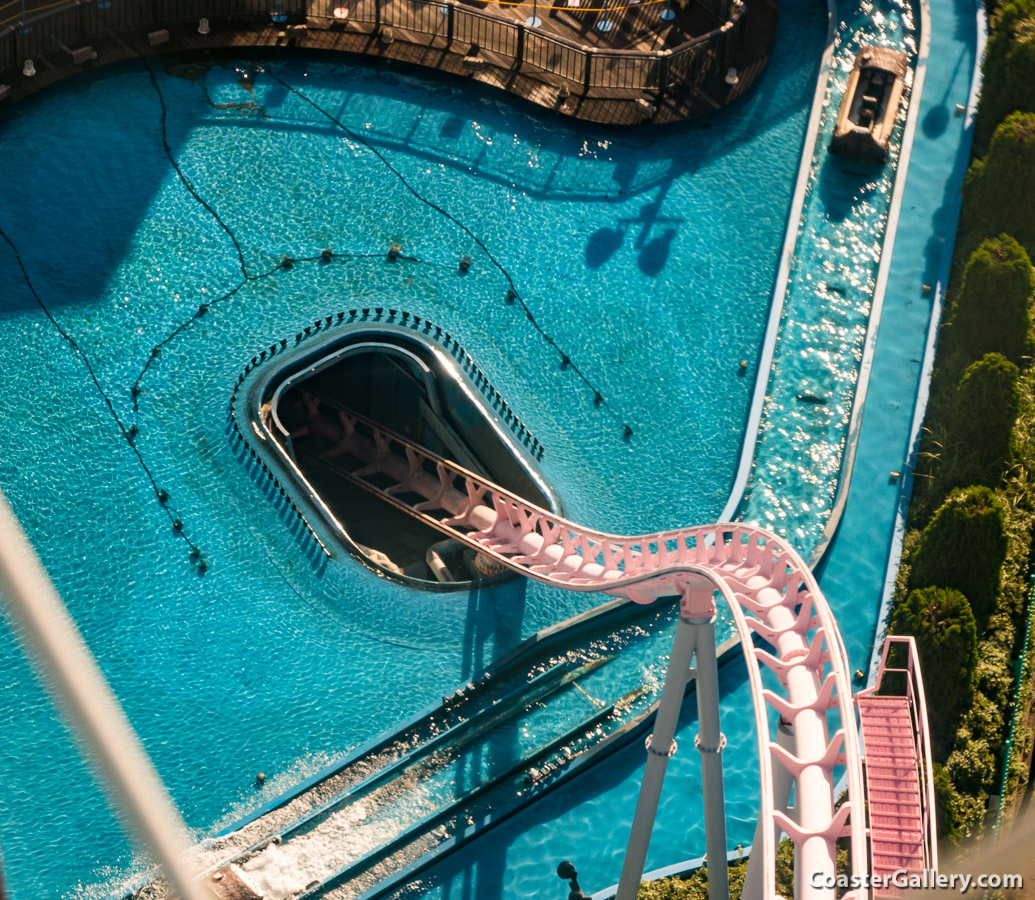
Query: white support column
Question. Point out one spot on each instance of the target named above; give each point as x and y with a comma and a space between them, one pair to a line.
782, 782
77, 682
660, 746
710, 741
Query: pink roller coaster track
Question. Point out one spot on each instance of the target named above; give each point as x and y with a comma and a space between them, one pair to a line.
770, 592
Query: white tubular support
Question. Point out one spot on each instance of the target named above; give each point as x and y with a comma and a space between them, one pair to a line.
660, 747
92, 708
771, 593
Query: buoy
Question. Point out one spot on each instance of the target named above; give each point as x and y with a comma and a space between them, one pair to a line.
202, 565
135, 390
155, 351
465, 263
132, 433
511, 295
163, 496
287, 262
598, 398
195, 553
202, 309
177, 525
326, 256
627, 432
565, 362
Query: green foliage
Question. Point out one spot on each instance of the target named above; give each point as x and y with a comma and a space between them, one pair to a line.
972, 767
785, 868
946, 638
944, 802
963, 548
987, 401
996, 190
994, 675
1009, 68
991, 313
693, 887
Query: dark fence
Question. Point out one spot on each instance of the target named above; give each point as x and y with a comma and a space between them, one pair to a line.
29, 31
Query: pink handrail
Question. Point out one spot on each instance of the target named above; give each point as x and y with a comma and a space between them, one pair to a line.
918, 712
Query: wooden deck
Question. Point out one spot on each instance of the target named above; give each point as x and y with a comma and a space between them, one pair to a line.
636, 28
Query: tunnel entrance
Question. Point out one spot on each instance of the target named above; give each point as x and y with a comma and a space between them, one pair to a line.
416, 391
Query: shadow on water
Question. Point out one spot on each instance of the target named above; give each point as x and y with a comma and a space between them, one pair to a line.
573, 165
476, 870
654, 248
844, 183
492, 625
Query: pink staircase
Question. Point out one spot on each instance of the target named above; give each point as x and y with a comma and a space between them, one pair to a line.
899, 789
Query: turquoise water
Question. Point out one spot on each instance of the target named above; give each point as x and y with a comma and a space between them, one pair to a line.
629, 250
828, 300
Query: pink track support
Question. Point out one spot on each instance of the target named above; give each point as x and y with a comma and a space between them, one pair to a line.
899, 783
770, 592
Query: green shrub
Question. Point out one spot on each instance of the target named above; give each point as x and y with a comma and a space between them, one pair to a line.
972, 766
693, 887
946, 639
1009, 68
944, 802
987, 401
991, 313
996, 192
994, 674
963, 548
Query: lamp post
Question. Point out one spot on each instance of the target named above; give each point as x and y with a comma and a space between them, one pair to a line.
533, 21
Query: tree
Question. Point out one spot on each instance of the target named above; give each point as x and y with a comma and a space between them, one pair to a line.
963, 548
996, 189
942, 623
986, 405
1009, 68
992, 311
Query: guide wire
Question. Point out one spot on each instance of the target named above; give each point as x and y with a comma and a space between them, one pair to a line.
130, 434
512, 293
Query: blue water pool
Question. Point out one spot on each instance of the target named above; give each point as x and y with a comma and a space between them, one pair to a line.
647, 258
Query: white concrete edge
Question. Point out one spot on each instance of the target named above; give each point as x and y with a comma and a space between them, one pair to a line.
765, 363
901, 176
927, 367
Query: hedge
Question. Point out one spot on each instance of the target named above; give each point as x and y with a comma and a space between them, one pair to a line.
1009, 68
992, 312
963, 548
941, 621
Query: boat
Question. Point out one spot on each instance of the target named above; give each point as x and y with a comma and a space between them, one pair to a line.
870, 104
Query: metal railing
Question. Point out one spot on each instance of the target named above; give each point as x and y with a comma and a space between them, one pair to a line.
914, 693
39, 29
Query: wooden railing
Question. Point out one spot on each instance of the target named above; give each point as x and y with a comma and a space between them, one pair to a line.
40, 29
